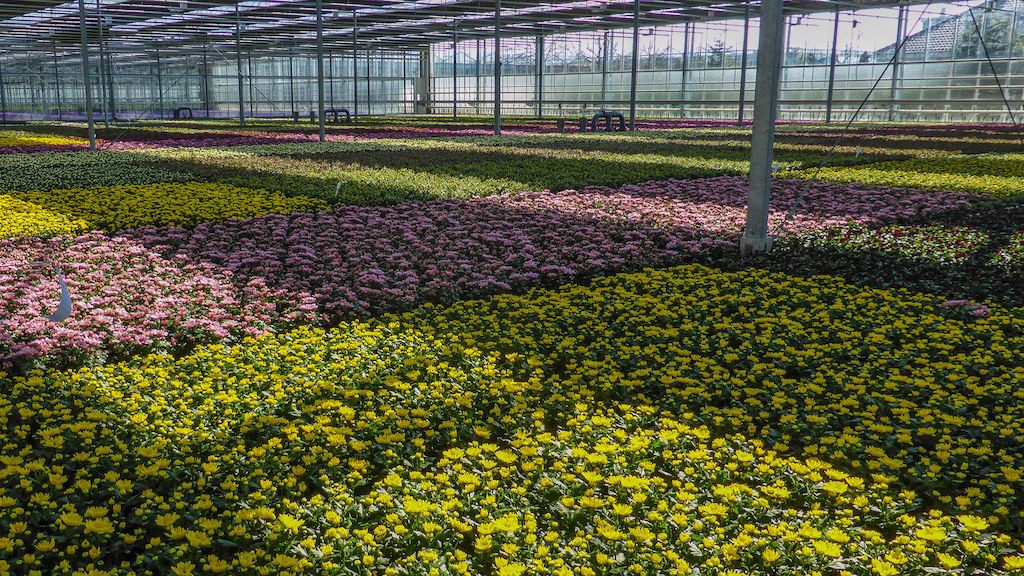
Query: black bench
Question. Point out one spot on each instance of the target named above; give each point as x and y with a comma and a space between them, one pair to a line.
607, 117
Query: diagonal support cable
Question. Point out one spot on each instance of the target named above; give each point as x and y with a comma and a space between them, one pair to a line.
846, 128
999, 84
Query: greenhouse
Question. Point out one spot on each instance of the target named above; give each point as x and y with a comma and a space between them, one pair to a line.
512, 287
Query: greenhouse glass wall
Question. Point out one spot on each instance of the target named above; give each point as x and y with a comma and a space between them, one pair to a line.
951, 68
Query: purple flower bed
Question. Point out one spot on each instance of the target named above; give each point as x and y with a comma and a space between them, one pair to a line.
364, 259
154, 285
38, 148
210, 139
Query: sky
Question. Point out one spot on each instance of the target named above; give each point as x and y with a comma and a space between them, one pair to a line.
866, 30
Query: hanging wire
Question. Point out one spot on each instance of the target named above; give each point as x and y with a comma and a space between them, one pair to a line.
897, 48
999, 84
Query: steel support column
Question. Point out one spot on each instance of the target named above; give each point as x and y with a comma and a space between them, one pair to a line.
633, 67
766, 107
253, 105
291, 81
320, 69
238, 65
455, 73
424, 86
206, 82
405, 82
56, 82
894, 90
606, 51
3, 97
102, 69
355, 64
479, 58
87, 76
497, 67
743, 65
539, 80
686, 66
111, 94
32, 94
330, 77
832, 69
159, 84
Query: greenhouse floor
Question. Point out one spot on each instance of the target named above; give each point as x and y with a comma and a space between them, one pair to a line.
419, 349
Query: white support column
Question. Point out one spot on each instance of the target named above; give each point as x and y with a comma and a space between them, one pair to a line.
320, 69
497, 67
86, 75
766, 107
633, 69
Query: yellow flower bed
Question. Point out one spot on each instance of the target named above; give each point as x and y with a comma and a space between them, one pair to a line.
651, 423
20, 218
19, 138
171, 203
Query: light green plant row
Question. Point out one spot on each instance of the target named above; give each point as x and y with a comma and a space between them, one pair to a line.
996, 176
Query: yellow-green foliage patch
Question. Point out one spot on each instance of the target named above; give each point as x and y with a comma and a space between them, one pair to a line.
171, 203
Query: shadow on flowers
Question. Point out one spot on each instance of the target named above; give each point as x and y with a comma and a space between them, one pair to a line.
349, 262
359, 260
885, 384
975, 254
476, 432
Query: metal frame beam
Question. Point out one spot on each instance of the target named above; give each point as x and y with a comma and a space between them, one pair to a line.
538, 57
497, 67
87, 76
832, 70
238, 65
322, 128
633, 66
3, 97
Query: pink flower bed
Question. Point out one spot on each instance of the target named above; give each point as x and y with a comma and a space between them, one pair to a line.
126, 299
154, 285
